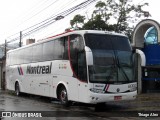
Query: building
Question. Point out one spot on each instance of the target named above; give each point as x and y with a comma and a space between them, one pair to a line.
146, 39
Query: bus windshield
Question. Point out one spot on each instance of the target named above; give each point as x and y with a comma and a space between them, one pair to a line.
112, 59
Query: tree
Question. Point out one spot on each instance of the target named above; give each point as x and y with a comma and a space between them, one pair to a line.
97, 24
102, 10
123, 12
78, 19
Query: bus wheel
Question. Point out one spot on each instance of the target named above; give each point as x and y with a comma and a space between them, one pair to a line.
63, 97
17, 90
100, 107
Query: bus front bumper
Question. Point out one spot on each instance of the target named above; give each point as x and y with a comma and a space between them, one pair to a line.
101, 98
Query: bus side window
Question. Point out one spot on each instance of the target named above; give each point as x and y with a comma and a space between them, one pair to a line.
20, 56
28, 55
77, 57
82, 68
73, 54
48, 50
37, 53
65, 47
58, 49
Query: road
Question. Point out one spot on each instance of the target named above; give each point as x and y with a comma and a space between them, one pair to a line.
145, 106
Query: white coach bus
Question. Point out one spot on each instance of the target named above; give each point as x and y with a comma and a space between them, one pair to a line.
86, 66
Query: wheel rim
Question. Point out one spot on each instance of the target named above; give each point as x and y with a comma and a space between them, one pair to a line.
17, 89
63, 96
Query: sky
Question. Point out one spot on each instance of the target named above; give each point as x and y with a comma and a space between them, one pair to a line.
17, 15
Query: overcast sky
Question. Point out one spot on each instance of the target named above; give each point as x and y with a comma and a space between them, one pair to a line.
17, 15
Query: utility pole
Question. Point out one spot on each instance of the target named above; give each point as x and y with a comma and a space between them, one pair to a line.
5, 48
20, 41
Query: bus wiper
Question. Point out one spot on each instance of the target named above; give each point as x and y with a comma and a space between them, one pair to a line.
121, 68
112, 71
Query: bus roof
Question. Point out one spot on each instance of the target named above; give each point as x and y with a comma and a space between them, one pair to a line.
81, 32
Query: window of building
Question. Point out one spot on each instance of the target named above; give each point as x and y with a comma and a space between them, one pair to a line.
151, 36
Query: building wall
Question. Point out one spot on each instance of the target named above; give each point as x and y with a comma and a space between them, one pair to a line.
0, 79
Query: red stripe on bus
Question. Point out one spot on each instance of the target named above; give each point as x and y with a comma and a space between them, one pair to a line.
60, 34
21, 71
107, 87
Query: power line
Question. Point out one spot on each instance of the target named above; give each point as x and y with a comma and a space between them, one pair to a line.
52, 19
28, 12
60, 8
41, 10
53, 16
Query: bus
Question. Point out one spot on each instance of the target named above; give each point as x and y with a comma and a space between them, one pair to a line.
87, 66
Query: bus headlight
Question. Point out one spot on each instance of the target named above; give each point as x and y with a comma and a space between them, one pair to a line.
132, 87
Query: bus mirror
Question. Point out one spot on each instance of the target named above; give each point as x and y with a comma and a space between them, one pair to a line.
87, 49
89, 56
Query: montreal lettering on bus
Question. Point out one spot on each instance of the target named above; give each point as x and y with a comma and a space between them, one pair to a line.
39, 69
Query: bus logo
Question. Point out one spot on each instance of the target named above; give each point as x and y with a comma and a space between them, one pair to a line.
118, 89
39, 69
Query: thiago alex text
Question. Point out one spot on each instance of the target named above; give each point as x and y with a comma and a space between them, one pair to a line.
148, 114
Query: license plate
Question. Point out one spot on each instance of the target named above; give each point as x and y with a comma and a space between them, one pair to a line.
117, 97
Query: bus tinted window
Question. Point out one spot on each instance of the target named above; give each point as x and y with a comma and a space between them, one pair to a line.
28, 55
52, 50
65, 54
15, 57
77, 57
48, 49
121, 43
37, 53
58, 49
107, 42
95, 41
20, 56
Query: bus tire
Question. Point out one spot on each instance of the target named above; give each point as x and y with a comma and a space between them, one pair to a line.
100, 107
63, 97
17, 89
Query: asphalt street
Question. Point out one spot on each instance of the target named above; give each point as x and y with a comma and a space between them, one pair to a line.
31, 107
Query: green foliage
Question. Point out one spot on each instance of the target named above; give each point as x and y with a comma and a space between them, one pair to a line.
122, 12
77, 20
125, 12
97, 24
